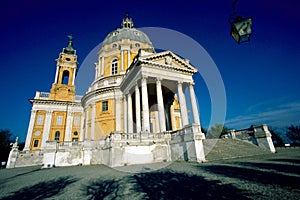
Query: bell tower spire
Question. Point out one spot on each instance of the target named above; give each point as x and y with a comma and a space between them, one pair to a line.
63, 88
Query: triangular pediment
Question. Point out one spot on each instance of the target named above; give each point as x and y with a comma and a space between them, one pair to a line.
168, 60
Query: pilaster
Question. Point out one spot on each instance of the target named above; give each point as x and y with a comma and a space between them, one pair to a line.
118, 114
29, 131
46, 130
125, 114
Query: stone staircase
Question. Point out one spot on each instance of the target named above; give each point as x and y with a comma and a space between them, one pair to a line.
221, 149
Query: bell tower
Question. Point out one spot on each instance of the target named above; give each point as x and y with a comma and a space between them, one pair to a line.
63, 88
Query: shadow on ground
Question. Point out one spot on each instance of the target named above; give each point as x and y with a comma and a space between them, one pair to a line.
172, 185
98, 189
262, 173
163, 185
42, 190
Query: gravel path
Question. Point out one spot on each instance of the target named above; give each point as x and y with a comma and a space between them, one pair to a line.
271, 176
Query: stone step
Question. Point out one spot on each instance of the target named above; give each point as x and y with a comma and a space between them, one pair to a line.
220, 149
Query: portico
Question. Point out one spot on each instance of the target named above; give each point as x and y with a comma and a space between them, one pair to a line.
150, 87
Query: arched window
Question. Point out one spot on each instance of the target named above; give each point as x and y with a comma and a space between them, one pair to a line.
114, 66
57, 134
65, 77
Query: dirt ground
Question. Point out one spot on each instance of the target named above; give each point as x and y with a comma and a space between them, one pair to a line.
270, 176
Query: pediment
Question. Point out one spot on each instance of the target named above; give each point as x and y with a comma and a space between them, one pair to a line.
168, 60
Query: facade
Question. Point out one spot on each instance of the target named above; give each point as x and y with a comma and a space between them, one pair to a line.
135, 111
57, 115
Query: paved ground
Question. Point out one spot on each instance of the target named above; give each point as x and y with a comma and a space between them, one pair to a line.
270, 176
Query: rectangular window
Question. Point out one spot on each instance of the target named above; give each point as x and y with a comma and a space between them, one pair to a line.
114, 67
36, 143
75, 139
104, 106
40, 120
59, 120
76, 121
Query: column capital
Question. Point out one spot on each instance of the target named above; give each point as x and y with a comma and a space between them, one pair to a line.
71, 113
33, 111
159, 79
144, 77
179, 82
49, 112
191, 83
118, 98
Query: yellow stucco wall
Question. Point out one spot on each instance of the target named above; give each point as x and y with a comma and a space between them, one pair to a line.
38, 128
56, 127
105, 120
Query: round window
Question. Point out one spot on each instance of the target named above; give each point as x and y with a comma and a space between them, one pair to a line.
75, 133
37, 133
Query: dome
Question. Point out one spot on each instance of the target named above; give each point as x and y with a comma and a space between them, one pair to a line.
126, 32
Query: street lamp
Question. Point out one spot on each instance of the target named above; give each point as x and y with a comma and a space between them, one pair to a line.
241, 27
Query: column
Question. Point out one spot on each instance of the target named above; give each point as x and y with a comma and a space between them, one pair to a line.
122, 60
96, 71
194, 104
160, 105
46, 130
69, 126
128, 57
99, 69
74, 75
56, 74
86, 122
29, 132
129, 120
137, 109
125, 114
93, 121
102, 65
118, 114
146, 123
182, 102
81, 136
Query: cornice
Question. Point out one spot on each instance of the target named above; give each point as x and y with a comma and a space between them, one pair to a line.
53, 102
96, 92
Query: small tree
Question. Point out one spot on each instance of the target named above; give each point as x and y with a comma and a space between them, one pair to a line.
203, 130
293, 133
217, 131
277, 140
5, 140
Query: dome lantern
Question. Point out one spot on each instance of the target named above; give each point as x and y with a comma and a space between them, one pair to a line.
127, 22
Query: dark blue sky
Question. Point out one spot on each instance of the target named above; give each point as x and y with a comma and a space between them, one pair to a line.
261, 78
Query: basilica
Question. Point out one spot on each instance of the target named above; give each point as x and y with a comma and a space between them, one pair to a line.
134, 112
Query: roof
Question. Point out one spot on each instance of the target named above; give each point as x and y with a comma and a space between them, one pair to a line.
127, 31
